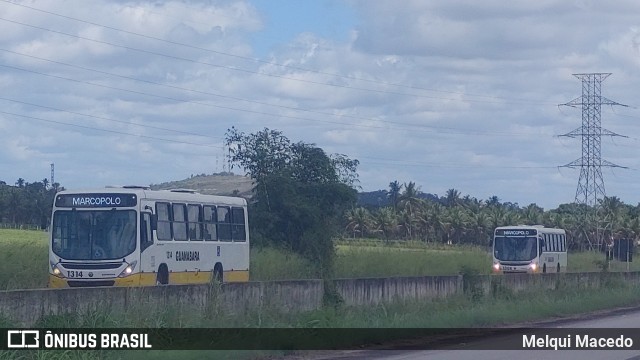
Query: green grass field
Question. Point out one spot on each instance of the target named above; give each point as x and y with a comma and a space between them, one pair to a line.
23, 260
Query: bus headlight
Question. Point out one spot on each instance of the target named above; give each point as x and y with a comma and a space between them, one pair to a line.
496, 266
55, 270
533, 266
129, 269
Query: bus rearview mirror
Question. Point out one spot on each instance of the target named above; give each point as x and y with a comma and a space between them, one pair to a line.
154, 222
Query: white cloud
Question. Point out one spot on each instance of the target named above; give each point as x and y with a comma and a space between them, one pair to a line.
448, 94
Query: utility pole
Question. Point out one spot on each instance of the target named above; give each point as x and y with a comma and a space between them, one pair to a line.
51, 182
591, 188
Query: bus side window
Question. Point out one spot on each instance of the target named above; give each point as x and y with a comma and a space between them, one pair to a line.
238, 232
224, 223
209, 220
541, 245
164, 224
179, 222
146, 238
195, 222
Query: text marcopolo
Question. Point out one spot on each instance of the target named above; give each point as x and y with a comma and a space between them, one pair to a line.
78, 201
576, 341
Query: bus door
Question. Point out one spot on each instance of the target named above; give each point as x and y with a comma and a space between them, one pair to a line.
148, 223
540, 248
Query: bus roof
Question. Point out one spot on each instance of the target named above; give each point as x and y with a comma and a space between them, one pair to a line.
539, 228
162, 195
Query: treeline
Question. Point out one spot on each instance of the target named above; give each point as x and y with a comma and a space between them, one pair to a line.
457, 219
27, 203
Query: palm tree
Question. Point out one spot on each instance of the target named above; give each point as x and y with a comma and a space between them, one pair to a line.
56, 187
496, 216
410, 196
452, 197
512, 218
613, 212
20, 182
479, 225
472, 204
533, 214
386, 222
407, 220
359, 221
428, 219
459, 222
632, 228
394, 193
493, 201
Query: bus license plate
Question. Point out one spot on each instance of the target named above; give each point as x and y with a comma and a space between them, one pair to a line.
509, 267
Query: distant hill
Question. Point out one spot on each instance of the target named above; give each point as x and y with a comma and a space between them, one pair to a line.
227, 183
215, 184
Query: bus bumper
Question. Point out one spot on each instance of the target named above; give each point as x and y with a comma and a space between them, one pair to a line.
131, 280
148, 279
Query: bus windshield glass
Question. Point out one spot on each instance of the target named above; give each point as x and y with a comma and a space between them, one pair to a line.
515, 248
94, 234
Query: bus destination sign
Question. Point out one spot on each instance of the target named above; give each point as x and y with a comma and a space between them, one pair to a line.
516, 232
95, 200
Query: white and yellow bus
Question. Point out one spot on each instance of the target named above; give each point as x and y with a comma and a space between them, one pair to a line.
529, 249
133, 236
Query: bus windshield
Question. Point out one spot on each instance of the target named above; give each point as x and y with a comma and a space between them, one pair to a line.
515, 248
94, 234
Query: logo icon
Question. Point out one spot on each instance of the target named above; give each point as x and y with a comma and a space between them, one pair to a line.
23, 339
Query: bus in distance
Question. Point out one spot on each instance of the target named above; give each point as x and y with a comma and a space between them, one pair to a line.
133, 236
529, 249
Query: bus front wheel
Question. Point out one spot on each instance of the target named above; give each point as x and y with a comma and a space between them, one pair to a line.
558, 267
544, 268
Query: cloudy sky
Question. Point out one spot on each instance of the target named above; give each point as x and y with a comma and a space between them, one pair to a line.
448, 94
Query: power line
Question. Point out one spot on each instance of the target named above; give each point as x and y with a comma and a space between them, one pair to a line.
234, 97
109, 131
109, 119
269, 62
246, 70
422, 128
404, 163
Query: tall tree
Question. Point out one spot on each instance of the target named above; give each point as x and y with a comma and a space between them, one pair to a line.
394, 194
359, 221
493, 201
452, 197
386, 222
301, 194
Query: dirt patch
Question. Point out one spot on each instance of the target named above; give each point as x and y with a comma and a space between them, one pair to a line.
226, 184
